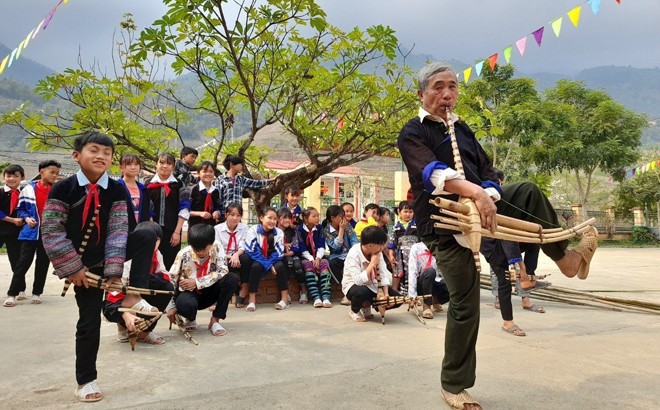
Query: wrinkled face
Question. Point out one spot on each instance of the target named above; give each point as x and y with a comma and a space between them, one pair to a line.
203, 253
349, 211
49, 174
164, 168
206, 175
441, 93
233, 218
189, 159
269, 221
13, 180
284, 222
292, 199
130, 170
406, 214
313, 218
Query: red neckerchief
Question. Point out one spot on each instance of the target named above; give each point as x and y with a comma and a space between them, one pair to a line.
208, 203
164, 185
13, 203
92, 195
232, 239
202, 268
310, 243
154, 262
264, 246
429, 258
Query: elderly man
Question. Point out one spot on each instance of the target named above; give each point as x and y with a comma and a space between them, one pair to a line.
425, 147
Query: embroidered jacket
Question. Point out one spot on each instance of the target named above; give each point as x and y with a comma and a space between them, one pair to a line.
188, 266
403, 236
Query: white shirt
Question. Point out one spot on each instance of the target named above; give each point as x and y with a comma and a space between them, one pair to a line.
222, 235
355, 271
417, 261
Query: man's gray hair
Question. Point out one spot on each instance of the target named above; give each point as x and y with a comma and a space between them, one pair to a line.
429, 70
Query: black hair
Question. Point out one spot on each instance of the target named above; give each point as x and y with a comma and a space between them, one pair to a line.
499, 174
150, 226
13, 169
49, 163
233, 206
169, 158
200, 236
382, 210
264, 211
188, 150
128, 159
334, 211
373, 235
209, 164
405, 205
284, 212
293, 190
93, 138
232, 160
370, 207
307, 212
347, 203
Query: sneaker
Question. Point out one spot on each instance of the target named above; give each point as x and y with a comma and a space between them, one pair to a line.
122, 336
318, 303
36, 300
303, 299
345, 301
21, 296
327, 304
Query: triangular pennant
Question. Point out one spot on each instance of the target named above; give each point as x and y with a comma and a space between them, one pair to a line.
27, 39
574, 15
595, 6
556, 25
466, 74
11, 58
618, 1
3, 64
20, 48
521, 45
38, 29
492, 60
538, 35
478, 67
507, 54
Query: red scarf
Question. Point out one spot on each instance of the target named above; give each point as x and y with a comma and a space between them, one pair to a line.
164, 185
264, 245
208, 203
310, 243
429, 258
202, 268
154, 262
92, 195
14, 201
232, 240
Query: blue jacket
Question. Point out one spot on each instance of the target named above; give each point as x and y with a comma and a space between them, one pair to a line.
27, 208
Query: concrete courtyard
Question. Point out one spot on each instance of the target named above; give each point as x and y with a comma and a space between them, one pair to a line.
305, 358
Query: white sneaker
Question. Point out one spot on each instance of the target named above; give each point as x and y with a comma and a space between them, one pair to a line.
318, 303
21, 296
303, 298
327, 304
281, 305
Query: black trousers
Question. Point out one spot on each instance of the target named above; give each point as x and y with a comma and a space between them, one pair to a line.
139, 250
295, 268
244, 271
220, 293
169, 252
426, 285
360, 294
257, 271
27, 252
337, 268
13, 246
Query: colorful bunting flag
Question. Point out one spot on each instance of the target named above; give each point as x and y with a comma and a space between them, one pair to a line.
556, 25
538, 35
574, 15
466, 74
507, 54
478, 67
492, 60
618, 1
595, 6
3, 64
521, 45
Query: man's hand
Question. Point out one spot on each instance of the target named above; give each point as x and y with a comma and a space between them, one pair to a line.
487, 210
188, 284
79, 278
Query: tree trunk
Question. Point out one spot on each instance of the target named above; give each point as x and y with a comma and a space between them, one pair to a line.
581, 195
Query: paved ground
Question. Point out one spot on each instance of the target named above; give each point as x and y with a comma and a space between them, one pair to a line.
573, 357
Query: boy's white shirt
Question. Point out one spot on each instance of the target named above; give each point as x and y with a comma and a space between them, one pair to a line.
415, 267
355, 272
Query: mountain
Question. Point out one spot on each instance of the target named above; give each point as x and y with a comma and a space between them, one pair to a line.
24, 70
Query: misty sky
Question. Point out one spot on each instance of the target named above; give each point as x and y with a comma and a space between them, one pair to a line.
465, 30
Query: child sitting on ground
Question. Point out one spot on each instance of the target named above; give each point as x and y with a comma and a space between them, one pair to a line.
340, 237
264, 245
201, 278
291, 260
231, 234
364, 272
205, 198
311, 247
425, 279
403, 236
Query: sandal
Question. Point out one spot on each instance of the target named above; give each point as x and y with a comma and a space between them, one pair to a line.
89, 389
427, 314
538, 285
367, 314
190, 325
216, 329
152, 338
10, 302
122, 336
240, 302
35, 300
514, 330
458, 401
586, 248
251, 307
357, 317
143, 307
437, 308
281, 305
534, 308
327, 304
21, 296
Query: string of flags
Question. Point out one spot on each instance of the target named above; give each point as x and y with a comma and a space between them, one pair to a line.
642, 169
521, 44
43, 25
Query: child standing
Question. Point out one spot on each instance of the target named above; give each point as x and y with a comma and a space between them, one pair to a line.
87, 213
264, 245
312, 249
291, 260
231, 234
205, 197
30, 208
425, 279
183, 167
368, 219
232, 183
340, 237
349, 210
404, 235
202, 279
137, 198
171, 207
292, 196
10, 223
